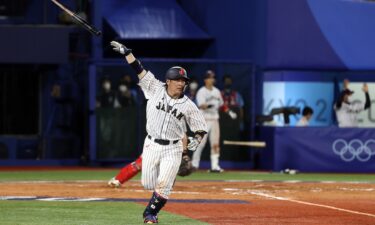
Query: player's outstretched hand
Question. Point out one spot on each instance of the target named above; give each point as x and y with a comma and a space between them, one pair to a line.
346, 83
193, 143
120, 48
365, 88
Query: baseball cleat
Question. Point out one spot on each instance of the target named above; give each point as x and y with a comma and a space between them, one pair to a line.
150, 219
114, 183
216, 170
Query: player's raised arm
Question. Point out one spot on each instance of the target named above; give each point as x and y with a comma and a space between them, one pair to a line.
368, 100
130, 58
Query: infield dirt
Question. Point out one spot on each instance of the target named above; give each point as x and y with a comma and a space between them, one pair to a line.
262, 202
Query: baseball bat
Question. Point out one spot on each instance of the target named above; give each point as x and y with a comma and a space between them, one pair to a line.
78, 19
257, 144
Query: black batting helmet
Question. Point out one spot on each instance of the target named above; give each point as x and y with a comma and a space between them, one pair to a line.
175, 73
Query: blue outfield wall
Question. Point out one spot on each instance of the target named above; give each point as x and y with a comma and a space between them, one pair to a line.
349, 30
318, 149
320, 34
238, 27
304, 34
289, 34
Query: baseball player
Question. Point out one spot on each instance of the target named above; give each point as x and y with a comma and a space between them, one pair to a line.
167, 111
307, 113
209, 100
347, 111
130, 170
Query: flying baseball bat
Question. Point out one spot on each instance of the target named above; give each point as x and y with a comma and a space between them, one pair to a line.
257, 144
78, 19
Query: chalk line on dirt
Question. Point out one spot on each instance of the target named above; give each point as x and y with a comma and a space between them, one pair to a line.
310, 203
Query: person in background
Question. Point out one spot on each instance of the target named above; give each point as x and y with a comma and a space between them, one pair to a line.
209, 101
105, 102
124, 96
107, 96
347, 110
192, 89
132, 86
233, 101
307, 113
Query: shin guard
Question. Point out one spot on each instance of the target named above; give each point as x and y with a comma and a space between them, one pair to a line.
154, 206
130, 170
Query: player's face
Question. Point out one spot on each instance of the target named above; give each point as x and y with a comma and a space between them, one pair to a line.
227, 81
210, 81
176, 87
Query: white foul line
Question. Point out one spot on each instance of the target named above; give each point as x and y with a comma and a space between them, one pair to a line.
309, 203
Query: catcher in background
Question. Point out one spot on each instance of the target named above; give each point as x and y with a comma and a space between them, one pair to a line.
133, 168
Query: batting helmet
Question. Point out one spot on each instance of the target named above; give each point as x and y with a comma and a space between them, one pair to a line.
175, 73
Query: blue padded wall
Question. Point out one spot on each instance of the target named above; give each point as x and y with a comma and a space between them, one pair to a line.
141, 19
320, 34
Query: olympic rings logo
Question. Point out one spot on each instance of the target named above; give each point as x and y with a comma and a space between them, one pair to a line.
355, 149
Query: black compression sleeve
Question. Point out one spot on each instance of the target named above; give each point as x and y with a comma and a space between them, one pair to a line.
137, 66
338, 104
368, 101
339, 101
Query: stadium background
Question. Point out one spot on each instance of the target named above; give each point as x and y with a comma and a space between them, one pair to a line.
280, 53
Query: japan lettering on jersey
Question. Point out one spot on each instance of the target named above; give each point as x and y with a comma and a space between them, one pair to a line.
166, 116
347, 114
213, 99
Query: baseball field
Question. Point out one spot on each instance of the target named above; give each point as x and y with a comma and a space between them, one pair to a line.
81, 196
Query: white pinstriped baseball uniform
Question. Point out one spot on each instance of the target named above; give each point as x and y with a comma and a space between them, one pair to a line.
347, 114
165, 120
209, 97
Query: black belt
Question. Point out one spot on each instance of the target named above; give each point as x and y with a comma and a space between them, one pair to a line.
162, 141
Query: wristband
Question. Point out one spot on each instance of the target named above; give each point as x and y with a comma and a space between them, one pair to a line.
127, 51
137, 66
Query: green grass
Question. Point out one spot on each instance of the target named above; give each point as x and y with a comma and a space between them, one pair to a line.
57, 175
39, 212
236, 175
71, 213
72, 175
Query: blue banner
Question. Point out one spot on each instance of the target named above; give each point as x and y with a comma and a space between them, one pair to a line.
317, 95
319, 90
318, 149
